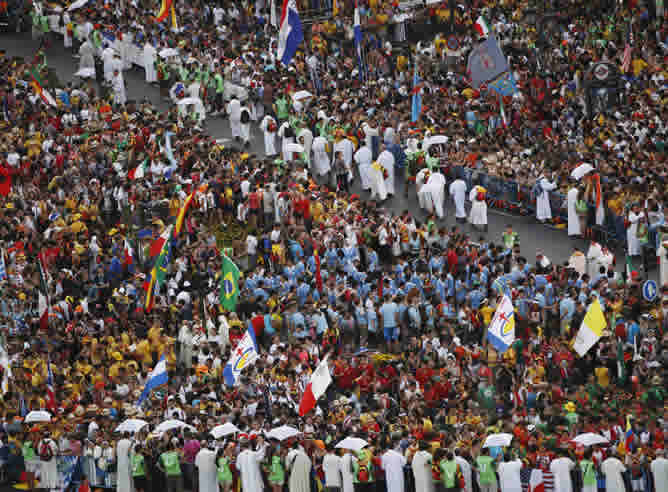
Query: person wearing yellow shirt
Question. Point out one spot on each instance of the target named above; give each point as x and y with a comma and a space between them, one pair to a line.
174, 206
487, 313
638, 66
602, 377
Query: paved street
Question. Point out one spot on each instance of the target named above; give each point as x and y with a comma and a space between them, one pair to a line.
554, 243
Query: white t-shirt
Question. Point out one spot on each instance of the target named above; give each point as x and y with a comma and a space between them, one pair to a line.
251, 244
331, 465
561, 468
509, 476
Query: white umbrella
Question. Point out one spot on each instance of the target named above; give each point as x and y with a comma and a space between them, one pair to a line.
167, 52
282, 433
498, 440
352, 443
298, 96
223, 430
437, 139
589, 439
189, 100
172, 424
581, 170
38, 416
85, 73
131, 425
294, 147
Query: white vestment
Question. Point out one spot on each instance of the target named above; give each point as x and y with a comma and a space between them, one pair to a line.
67, 38
458, 194
632, 241
363, 159
86, 59
422, 472
124, 476
245, 127
345, 146
148, 57
205, 461
573, 218
393, 463
320, 156
612, 468
234, 111
48, 478
561, 468
662, 253
285, 141
269, 136
248, 464
543, 209
347, 472
386, 159
107, 62
118, 85
478, 214
433, 193
300, 471
466, 472
307, 136
659, 469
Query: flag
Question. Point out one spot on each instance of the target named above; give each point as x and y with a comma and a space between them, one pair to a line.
182, 214
416, 102
357, 29
502, 109
229, 284
621, 363
50, 389
128, 253
3, 266
5, 180
626, 59
42, 295
335, 7
290, 34
318, 274
139, 171
165, 8
158, 274
159, 243
5, 364
536, 483
481, 26
157, 378
273, 20
629, 436
504, 84
39, 89
316, 387
175, 24
629, 268
501, 331
591, 329
486, 62
243, 355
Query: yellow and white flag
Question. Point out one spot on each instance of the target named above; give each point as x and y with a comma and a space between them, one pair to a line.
501, 331
591, 329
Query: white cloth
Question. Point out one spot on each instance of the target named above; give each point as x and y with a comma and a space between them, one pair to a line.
346, 147
573, 218
632, 241
393, 463
478, 214
124, 478
659, 469
347, 472
466, 472
433, 194
300, 471
509, 476
306, 136
386, 159
205, 461
118, 86
245, 127
148, 58
662, 253
543, 209
331, 466
269, 136
613, 468
321, 162
86, 59
49, 469
285, 141
363, 160
458, 194
234, 111
107, 63
248, 463
377, 183
67, 39
561, 468
421, 466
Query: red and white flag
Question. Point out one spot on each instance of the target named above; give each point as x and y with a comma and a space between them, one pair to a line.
157, 245
43, 294
626, 58
536, 483
128, 253
320, 380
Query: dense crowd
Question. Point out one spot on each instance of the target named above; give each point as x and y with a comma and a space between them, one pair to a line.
103, 198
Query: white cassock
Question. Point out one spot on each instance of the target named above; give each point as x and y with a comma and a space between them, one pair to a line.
345, 146
662, 252
300, 471
363, 159
245, 127
107, 62
378, 189
369, 133
659, 469
632, 234
285, 141
234, 110
478, 214
320, 156
269, 136
422, 472
67, 38
573, 218
419, 184
543, 209
48, 478
347, 473
466, 472
118, 86
561, 468
307, 135
205, 461
393, 464
386, 159
458, 194
124, 476
86, 59
148, 57
612, 468
434, 194
248, 463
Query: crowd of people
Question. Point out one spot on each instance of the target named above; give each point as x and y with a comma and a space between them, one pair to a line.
103, 198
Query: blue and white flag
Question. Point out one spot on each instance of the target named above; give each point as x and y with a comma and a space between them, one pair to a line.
157, 378
290, 34
357, 28
416, 102
486, 62
244, 355
501, 331
504, 85
3, 267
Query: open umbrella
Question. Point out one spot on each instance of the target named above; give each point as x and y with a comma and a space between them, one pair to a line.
437, 139
352, 443
590, 439
223, 430
582, 170
85, 73
294, 147
298, 96
167, 52
282, 433
498, 440
131, 425
38, 416
189, 100
168, 425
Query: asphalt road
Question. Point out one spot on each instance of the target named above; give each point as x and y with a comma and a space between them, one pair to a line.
553, 243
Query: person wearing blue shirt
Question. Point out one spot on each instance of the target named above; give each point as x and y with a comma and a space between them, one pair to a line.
436, 265
302, 292
331, 257
566, 311
414, 317
372, 260
389, 318
632, 331
476, 296
439, 288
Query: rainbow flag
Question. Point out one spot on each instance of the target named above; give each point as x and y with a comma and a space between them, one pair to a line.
182, 214
165, 10
629, 436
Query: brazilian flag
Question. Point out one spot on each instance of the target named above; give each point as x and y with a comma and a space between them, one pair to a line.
229, 284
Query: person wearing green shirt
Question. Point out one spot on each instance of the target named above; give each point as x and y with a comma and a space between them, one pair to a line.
510, 238
220, 89
363, 467
484, 465
276, 475
138, 468
170, 464
449, 475
224, 472
282, 109
588, 473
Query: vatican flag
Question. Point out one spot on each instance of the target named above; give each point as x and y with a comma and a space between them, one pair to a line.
501, 331
591, 329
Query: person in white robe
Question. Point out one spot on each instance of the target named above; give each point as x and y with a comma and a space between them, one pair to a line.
185, 338
662, 253
543, 209
478, 214
465, 467
47, 450
269, 126
123, 466
659, 468
67, 33
421, 466
561, 469
432, 194
118, 86
386, 159
346, 147
632, 241
421, 179
234, 112
305, 137
86, 51
612, 468
458, 193
107, 62
205, 461
573, 217
347, 472
299, 465
149, 57
245, 121
321, 163
248, 463
287, 136
393, 463
377, 182
363, 160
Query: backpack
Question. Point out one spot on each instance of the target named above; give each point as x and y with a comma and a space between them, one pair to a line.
436, 472
45, 452
480, 196
363, 472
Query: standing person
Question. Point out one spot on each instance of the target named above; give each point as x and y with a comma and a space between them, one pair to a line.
321, 164
633, 245
138, 465
276, 476
574, 229
659, 467
341, 172
484, 465
347, 472
224, 473
149, 57
465, 467
509, 475
421, 467
478, 215
248, 464
118, 86
458, 193
393, 463
386, 159
449, 472
543, 188
588, 472
269, 126
389, 319
234, 113
299, 465
561, 468
124, 482
205, 461
612, 468
363, 159
169, 464
47, 450
245, 121
331, 466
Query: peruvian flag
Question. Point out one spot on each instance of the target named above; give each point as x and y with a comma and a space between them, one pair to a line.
481, 26
50, 393
139, 171
157, 245
320, 380
536, 483
128, 253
